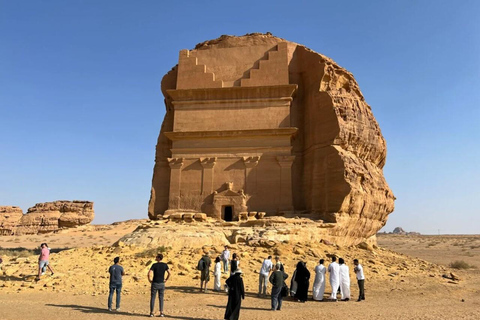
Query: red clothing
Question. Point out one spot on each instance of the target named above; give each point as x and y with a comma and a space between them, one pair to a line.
45, 254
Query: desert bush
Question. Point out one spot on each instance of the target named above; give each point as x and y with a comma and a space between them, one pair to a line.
460, 264
152, 253
17, 252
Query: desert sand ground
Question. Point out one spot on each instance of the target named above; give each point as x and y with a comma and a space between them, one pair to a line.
398, 286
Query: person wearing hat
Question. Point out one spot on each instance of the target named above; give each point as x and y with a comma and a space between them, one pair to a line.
236, 293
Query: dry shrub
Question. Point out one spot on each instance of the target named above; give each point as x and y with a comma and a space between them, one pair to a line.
152, 253
460, 264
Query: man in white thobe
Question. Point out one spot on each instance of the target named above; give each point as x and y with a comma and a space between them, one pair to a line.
263, 275
225, 256
344, 280
334, 269
319, 284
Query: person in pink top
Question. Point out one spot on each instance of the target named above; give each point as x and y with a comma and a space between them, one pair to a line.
43, 260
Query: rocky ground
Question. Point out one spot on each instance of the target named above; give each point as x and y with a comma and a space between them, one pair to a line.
398, 286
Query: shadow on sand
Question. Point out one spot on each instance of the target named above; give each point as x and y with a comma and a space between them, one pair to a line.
89, 309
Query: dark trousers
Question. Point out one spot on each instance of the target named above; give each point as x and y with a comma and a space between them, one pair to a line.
361, 288
160, 288
117, 287
277, 298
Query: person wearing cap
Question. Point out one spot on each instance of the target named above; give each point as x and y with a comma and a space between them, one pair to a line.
158, 283
116, 272
236, 293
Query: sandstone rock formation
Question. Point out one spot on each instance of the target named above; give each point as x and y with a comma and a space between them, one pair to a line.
9, 218
257, 123
46, 217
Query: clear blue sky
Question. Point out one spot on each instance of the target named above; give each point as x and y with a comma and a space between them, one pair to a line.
80, 105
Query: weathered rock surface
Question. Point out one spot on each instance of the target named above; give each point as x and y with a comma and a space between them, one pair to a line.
47, 217
9, 218
337, 148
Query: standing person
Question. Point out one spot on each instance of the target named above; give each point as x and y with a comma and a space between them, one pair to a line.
302, 276
360, 279
319, 283
234, 264
158, 270
344, 280
217, 272
277, 261
116, 272
43, 260
225, 256
277, 279
293, 285
263, 276
333, 270
236, 293
204, 267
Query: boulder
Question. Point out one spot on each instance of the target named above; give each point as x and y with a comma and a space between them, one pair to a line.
10, 217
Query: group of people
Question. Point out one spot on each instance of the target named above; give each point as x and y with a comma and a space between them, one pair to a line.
270, 272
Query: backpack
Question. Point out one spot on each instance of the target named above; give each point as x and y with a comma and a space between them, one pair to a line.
201, 264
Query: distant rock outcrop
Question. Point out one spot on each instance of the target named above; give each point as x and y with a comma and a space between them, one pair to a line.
46, 217
399, 230
9, 218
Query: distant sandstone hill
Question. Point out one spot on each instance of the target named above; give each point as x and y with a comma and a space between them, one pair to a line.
260, 124
45, 217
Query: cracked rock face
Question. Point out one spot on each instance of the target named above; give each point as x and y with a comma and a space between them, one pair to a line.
338, 148
46, 217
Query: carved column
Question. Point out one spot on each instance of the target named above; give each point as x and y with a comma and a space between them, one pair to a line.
207, 174
285, 200
251, 174
176, 165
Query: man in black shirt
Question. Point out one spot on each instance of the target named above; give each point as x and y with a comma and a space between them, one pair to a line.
158, 283
116, 273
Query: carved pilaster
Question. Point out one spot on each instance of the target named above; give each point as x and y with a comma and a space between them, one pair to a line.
176, 165
251, 174
207, 174
285, 163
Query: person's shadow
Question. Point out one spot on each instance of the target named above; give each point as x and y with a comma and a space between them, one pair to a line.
89, 309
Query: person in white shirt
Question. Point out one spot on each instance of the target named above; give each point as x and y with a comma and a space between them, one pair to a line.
263, 275
334, 269
344, 273
360, 279
217, 272
319, 284
225, 256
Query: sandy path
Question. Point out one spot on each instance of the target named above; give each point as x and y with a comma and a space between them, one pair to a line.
186, 303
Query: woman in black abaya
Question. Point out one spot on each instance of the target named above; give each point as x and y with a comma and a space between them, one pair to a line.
302, 276
236, 293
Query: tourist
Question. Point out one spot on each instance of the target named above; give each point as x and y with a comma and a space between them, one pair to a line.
277, 261
236, 293
293, 285
158, 281
263, 276
225, 256
277, 279
302, 276
43, 260
333, 270
344, 280
234, 264
204, 267
360, 279
116, 272
319, 284
217, 272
